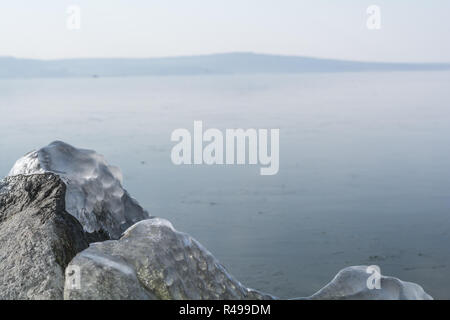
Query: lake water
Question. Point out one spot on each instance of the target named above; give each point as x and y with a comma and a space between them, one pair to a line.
364, 166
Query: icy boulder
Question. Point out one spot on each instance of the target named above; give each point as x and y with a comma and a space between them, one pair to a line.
94, 196
152, 261
352, 284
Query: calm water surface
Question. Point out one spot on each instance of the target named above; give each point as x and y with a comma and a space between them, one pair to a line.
364, 166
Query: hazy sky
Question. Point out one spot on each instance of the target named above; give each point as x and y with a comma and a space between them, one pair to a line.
411, 30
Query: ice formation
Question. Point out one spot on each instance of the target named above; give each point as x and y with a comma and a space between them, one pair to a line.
94, 195
166, 264
351, 284
152, 260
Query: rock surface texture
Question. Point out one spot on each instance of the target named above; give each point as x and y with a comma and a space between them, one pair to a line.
153, 261
38, 238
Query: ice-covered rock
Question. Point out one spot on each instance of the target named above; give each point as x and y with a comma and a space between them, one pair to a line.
95, 195
38, 238
58, 200
351, 283
153, 261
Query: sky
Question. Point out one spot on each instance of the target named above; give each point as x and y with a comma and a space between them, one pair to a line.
410, 30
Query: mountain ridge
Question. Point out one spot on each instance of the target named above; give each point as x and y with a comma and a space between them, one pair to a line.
220, 63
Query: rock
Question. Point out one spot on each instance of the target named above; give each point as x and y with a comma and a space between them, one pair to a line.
152, 261
351, 284
94, 196
38, 238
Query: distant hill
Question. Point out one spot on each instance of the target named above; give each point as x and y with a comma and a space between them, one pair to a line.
227, 63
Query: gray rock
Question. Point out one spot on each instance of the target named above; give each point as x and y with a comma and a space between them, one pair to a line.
38, 238
152, 261
351, 283
55, 202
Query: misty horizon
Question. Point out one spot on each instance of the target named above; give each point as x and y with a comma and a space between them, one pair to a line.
207, 54
323, 29
222, 63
